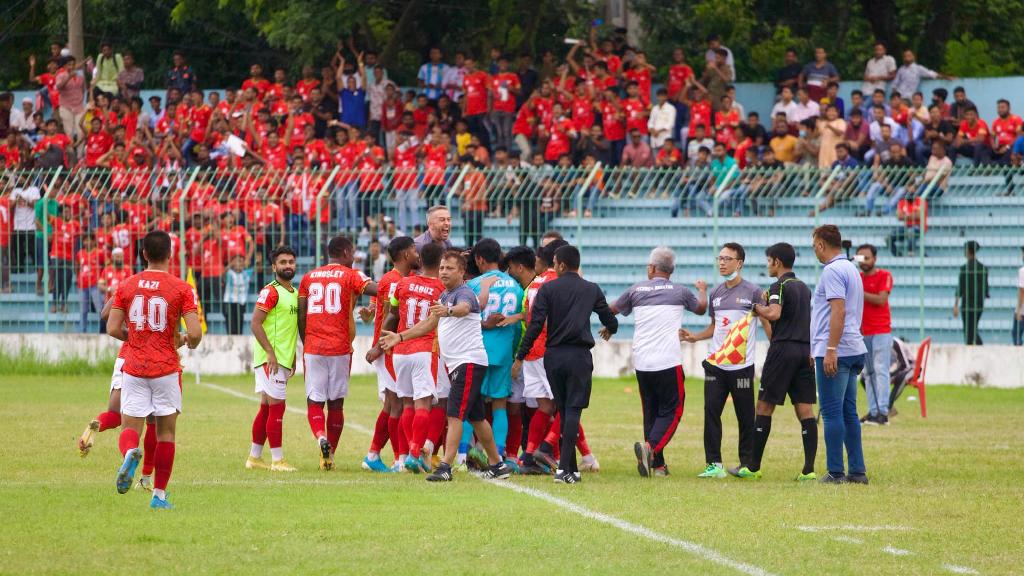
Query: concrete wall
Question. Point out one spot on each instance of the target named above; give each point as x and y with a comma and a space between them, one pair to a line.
995, 366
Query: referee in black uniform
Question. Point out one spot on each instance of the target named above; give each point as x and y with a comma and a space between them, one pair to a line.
788, 368
566, 304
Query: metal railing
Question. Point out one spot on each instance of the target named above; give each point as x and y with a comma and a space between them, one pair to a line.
59, 229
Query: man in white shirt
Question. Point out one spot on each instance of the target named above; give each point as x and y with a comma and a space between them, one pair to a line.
714, 43
786, 105
805, 107
21, 119
697, 141
909, 76
453, 78
661, 120
881, 68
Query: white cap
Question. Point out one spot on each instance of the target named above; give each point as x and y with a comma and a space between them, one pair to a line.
65, 51
26, 100
117, 251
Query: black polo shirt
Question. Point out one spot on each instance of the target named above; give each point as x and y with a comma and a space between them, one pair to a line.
794, 323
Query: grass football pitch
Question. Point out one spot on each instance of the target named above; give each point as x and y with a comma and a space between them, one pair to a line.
946, 496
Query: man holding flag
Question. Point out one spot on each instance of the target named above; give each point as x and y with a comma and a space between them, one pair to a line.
729, 367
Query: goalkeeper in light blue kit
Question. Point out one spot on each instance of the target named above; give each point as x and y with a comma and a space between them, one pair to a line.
502, 299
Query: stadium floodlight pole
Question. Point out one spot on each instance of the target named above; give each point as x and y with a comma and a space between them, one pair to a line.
579, 203
319, 207
455, 187
46, 244
719, 188
922, 214
181, 218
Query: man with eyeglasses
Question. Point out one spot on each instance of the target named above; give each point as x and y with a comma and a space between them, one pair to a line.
729, 367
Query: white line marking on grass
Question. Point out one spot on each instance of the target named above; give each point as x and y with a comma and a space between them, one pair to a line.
960, 569
702, 552
896, 551
693, 548
852, 528
848, 539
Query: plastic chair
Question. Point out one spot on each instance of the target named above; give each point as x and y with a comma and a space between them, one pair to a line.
920, 367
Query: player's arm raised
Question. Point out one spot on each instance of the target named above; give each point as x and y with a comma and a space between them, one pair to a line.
702, 297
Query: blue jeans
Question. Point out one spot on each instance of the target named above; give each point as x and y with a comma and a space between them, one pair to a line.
91, 299
346, 203
876, 372
877, 191
298, 234
838, 397
407, 202
1018, 331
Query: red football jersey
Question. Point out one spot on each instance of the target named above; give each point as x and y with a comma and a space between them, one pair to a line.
154, 303
636, 117
540, 344
384, 291
502, 87
475, 87
413, 296
114, 277
330, 293
90, 262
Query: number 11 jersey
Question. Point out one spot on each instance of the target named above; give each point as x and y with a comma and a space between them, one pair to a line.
412, 297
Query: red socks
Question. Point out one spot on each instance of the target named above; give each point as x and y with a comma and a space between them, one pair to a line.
435, 431
335, 424
398, 442
149, 449
539, 425
420, 426
109, 420
315, 415
381, 432
554, 435
259, 425
275, 422
515, 433
406, 422
164, 464
127, 440
581, 443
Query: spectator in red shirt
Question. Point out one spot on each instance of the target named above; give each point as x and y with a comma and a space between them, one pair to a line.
614, 125
257, 81
640, 72
504, 87
876, 327
66, 231
90, 261
1005, 130
475, 101
391, 117
635, 110
98, 143
680, 75
972, 140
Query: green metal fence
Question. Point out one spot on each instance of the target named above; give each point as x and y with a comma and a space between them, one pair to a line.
225, 222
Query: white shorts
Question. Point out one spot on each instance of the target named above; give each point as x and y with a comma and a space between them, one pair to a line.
273, 385
326, 376
444, 384
518, 389
141, 397
415, 375
118, 376
385, 381
536, 380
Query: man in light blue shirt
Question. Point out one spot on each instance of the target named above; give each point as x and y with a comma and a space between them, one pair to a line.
431, 75
838, 350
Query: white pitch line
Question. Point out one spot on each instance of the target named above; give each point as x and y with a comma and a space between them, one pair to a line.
897, 551
698, 550
960, 569
853, 528
848, 540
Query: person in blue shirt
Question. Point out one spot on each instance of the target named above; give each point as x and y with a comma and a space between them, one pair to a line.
501, 298
352, 95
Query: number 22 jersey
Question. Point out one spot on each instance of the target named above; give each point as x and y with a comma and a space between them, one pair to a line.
504, 297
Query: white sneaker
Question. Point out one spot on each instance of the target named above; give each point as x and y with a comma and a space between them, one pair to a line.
589, 463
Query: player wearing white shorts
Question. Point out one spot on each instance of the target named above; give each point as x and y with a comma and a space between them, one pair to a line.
152, 303
327, 296
415, 360
275, 331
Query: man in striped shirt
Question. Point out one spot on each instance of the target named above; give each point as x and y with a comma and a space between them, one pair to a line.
431, 75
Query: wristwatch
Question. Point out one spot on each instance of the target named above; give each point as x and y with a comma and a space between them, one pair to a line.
449, 310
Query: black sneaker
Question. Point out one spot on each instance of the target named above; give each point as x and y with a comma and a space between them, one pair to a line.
545, 458
563, 477
857, 479
326, 459
643, 458
882, 420
499, 471
531, 468
443, 473
831, 478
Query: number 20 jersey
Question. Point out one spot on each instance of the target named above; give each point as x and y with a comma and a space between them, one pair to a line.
330, 292
153, 302
412, 297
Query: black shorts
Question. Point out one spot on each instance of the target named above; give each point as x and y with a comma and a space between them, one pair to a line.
464, 401
787, 370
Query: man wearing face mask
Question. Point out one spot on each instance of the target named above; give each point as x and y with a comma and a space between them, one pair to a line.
729, 367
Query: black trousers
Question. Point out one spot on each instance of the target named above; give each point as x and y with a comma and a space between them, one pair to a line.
662, 395
971, 318
474, 223
569, 370
718, 385
235, 316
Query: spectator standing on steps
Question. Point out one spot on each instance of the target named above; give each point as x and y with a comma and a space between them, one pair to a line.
971, 292
876, 327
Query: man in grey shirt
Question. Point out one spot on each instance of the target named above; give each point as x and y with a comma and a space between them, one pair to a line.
439, 227
837, 346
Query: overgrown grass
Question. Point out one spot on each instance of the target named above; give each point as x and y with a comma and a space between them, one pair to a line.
29, 363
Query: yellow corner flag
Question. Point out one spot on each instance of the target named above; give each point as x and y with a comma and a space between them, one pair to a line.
734, 348
202, 316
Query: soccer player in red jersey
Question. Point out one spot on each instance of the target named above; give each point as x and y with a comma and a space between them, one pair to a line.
326, 327
416, 363
406, 260
152, 302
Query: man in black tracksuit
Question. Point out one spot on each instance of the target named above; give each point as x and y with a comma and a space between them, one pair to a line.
566, 304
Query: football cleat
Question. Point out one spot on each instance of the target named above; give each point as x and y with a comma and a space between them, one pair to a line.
661, 471
545, 459
375, 465
412, 464
809, 477
745, 473
477, 457
499, 471
563, 477
144, 483
85, 442
252, 463
326, 457
442, 473
126, 472
714, 470
157, 504
643, 458
282, 466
